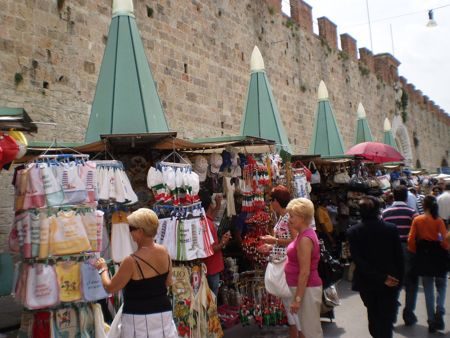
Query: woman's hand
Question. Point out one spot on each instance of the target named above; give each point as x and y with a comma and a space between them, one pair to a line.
264, 248
100, 264
391, 281
295, 306
269, 239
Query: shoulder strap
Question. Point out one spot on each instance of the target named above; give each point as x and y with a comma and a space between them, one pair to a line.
138, 265
148, 264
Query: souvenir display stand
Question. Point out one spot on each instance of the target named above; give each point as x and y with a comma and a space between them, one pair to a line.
185, 233
242, 295
58, 233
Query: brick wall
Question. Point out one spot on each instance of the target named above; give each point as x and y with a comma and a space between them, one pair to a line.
50, 59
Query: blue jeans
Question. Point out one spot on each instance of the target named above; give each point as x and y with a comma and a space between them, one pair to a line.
411, 281
428, 288
214, 282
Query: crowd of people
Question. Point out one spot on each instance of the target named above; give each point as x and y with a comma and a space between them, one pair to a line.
391, 248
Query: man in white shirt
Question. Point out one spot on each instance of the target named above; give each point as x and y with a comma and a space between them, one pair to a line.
444, 203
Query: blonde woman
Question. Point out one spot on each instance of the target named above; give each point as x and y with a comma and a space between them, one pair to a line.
301, 268
144, 277
277, 244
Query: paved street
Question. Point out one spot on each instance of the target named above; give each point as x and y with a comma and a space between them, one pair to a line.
351, 320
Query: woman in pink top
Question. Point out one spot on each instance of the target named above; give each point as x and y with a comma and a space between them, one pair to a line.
302, 277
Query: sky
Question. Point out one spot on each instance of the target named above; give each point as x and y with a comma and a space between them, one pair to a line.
398, 27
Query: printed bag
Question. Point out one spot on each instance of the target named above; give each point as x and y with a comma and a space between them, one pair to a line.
41, 287
67, 234
69, 277
92, 284
66, 323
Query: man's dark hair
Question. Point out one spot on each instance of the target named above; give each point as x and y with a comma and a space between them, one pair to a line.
447, 186
400, 193
369, 208
403, 182
205, 198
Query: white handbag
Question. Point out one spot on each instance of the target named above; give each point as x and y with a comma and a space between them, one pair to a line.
315, 174
275, 280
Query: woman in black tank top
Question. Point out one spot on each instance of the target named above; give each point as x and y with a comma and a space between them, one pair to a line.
144, 277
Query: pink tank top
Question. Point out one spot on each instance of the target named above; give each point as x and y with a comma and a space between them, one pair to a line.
292, 267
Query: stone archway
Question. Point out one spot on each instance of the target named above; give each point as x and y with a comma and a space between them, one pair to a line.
401, 136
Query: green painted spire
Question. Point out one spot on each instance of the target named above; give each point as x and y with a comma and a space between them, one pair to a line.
126, 100
388, 137
326, 140
363, 133
261, 116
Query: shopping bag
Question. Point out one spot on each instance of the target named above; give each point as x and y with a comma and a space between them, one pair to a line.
275, 280
116, 325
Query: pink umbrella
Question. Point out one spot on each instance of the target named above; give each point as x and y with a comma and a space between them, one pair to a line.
376, 152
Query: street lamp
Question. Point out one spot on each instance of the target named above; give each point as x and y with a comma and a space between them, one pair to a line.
431, 21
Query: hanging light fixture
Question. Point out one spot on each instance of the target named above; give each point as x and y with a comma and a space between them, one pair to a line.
431, 21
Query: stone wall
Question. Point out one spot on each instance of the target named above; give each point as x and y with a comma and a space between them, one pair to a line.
199, 52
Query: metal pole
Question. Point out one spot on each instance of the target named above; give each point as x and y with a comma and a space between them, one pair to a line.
370, 26
392, 40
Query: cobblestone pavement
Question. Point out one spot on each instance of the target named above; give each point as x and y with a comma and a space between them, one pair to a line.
351, 320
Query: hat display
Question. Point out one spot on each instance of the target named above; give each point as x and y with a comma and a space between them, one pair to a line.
200, 167
215, 161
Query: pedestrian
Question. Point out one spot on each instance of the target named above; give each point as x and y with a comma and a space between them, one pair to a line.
411, 200
428, 232
436, 191
443, 201
283, 234
378, 273
214, 264
301, 271
402, 216
144, 277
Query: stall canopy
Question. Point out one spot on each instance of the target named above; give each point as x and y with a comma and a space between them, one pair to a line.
326, 140
246, 144
388, 137
126, 100
16, 119
363, 133
261, 116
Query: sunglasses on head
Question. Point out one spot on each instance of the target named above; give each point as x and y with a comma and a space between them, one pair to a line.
132, 228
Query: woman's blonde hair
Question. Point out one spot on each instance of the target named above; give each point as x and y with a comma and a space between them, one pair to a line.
302, 207
145, 219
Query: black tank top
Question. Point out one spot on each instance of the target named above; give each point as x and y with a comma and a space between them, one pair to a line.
146, 295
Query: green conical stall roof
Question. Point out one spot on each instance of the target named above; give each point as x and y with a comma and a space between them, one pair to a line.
326, 140
261, 116
363, 133
388, 138
126, 100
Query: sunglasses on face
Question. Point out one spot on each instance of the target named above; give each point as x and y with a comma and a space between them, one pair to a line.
132, 228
